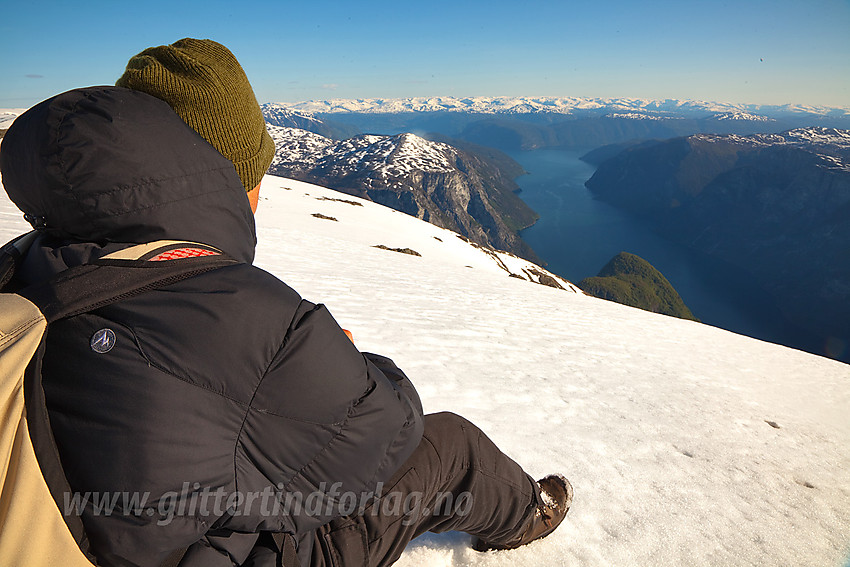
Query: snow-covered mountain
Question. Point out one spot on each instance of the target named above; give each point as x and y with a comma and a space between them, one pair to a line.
430, 180
799, 137
386, 156
743, 116
279, 115
557, 105
686, 444
638, 116
297, 148
647, 114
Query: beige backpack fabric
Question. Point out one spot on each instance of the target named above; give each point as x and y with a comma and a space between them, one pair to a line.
32, 528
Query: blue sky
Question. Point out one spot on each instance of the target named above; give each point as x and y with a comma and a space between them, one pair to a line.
763, 52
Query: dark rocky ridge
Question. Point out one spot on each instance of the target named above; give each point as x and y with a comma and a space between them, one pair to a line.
535, 131
776, 205
590, 132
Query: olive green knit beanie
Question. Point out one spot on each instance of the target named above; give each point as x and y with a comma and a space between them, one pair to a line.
204, 83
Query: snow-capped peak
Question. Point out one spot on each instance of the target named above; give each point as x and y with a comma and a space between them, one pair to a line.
394, 156
819, 136
741, 116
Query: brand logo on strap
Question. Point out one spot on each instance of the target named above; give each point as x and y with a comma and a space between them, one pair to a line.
103, 341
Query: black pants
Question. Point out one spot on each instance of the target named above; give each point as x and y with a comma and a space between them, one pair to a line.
457, 479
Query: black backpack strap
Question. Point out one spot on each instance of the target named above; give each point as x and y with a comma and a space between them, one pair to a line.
120, 276
288, 553
85, 288
11, 252
175, 558
44, 445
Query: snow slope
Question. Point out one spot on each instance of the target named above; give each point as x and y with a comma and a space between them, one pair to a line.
686, 444
345, 222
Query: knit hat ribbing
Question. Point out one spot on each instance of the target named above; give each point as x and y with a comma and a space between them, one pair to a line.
204, 84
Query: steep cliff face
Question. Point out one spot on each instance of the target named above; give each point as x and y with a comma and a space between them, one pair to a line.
432, 181
776, 205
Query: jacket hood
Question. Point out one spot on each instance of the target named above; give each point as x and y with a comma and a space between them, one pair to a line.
110, 165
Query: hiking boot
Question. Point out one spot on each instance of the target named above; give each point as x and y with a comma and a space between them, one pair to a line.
556, 493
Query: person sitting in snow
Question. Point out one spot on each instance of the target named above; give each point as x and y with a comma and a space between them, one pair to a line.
229, 388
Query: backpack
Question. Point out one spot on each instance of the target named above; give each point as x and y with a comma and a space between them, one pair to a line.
34, 531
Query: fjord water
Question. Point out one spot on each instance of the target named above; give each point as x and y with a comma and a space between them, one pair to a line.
577, 235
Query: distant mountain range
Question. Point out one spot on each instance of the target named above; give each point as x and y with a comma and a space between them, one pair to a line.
631, 107
526, 123
776, 205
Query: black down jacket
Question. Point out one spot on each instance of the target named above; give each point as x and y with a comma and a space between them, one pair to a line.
224, 393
